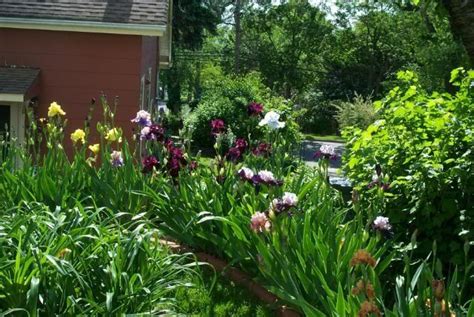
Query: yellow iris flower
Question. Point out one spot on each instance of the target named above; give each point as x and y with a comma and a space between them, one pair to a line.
78, 135
113, 135
94, 148
55, 110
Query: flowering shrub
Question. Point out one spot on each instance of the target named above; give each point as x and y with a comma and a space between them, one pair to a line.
419, 154
359, 112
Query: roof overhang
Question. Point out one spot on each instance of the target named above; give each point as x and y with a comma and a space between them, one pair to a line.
83, 26
18, 84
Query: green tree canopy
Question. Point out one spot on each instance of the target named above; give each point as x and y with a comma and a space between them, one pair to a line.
286, 43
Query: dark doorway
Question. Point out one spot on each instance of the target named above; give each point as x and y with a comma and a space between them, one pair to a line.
4, 121
4, 129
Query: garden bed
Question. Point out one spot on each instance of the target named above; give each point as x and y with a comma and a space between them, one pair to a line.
253, 206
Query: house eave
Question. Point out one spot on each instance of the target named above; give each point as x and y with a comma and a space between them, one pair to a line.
83, 26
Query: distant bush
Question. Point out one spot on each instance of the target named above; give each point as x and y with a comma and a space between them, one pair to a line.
172, 122
319, 114
359, 112
422, 147
227, 98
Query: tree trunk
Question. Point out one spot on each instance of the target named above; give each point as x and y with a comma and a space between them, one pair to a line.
238, 34
461, 18
197, 82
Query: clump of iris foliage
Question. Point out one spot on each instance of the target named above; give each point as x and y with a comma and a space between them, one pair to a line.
84, 260
253, 205
73, 237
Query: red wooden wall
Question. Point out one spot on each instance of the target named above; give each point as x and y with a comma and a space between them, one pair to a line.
76, 67
150, 59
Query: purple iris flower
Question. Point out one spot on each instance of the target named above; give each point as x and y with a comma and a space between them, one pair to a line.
143, 118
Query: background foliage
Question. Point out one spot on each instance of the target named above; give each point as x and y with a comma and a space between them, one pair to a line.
315, 55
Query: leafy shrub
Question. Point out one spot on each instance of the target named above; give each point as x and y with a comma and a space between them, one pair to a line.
227, 98
424, 146
360, 112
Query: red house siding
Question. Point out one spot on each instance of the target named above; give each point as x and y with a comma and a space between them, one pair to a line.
150, 58
76, 67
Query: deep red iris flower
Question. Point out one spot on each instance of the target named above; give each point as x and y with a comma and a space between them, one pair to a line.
254, 109
217, 126
149, 162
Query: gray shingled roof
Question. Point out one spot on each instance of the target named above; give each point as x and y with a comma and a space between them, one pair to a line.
17, 80
147, 12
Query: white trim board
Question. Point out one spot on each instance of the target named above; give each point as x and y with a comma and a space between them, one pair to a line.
7, 98
83, 26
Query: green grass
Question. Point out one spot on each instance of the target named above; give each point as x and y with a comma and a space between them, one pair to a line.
329, 138
222, 298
